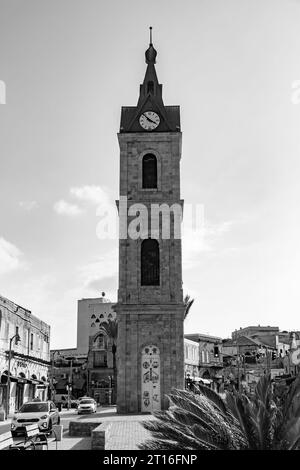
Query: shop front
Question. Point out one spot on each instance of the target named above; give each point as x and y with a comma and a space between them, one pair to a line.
101, 389
22, 390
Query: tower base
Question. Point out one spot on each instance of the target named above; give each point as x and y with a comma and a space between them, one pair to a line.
150, 356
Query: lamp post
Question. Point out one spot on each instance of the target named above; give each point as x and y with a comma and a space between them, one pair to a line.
70, 381
52, 375
88, 383
18, 339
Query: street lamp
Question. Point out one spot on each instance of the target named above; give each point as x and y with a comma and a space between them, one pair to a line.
70, 381
52, 375
18, 339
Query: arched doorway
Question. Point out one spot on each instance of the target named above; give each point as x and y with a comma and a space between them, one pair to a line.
3, 389
206, 374
150, 379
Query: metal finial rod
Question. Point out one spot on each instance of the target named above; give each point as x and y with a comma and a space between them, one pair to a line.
150, 34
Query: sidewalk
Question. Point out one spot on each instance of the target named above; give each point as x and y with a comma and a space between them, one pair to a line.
6, 422
71, 443
126, 432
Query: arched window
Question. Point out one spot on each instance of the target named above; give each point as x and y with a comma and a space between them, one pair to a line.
150, 263
149, 171
100, 342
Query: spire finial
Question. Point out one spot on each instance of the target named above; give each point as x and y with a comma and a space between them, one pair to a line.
151, 52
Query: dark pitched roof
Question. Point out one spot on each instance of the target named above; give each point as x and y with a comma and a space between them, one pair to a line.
150, 99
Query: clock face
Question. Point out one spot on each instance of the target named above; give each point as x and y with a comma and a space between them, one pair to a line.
149, 120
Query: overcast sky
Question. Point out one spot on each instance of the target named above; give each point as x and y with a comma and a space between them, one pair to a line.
69, 66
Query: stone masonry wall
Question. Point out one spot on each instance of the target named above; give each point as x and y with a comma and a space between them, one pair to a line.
163, 329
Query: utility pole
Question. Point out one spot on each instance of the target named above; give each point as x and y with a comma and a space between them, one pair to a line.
18, 339
70, 383
88, 381
52, 375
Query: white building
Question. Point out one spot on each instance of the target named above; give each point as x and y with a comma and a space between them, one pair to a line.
191, 359
29, 358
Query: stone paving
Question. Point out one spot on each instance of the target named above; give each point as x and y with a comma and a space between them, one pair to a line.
71, 443
126, 435
126, 431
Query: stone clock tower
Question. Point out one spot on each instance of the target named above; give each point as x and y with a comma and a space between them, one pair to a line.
150, 306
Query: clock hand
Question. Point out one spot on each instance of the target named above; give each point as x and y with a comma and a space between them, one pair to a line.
153, 122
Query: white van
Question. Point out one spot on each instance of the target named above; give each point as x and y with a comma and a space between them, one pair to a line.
61, 400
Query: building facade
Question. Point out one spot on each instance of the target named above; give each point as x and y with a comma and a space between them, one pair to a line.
88, 368
191, 360
150, 305
253, 331
210, 358
30, 356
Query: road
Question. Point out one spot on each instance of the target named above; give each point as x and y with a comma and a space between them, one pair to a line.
65, 417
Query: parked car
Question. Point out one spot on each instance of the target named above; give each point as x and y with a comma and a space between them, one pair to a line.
87, 405
61, 400
43, 413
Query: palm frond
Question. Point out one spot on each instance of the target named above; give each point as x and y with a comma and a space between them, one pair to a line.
207, 422
214, 397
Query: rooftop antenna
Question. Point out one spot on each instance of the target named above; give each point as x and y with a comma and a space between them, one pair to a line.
150, 28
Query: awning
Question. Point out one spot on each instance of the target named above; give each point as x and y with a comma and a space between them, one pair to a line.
4, 378
34, 382
22, 380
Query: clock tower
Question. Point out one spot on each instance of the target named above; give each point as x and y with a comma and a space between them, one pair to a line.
150, 307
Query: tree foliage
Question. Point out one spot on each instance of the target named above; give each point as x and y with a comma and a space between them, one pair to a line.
188, 302
205, 421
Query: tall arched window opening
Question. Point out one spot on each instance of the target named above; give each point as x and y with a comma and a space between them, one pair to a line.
150, 263
100, 351
149, 171
100, 342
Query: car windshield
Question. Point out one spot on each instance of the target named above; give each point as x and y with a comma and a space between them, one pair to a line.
34, 407
86, 402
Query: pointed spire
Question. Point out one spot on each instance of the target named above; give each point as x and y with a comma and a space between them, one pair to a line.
150, 52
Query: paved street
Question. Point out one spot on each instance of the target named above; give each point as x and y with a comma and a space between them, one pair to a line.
125, 434
65, 417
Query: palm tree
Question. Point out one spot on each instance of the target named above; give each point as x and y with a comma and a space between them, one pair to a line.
188, 302
205, 421
111, 329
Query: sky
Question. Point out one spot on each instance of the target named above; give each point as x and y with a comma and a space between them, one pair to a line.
234, 68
